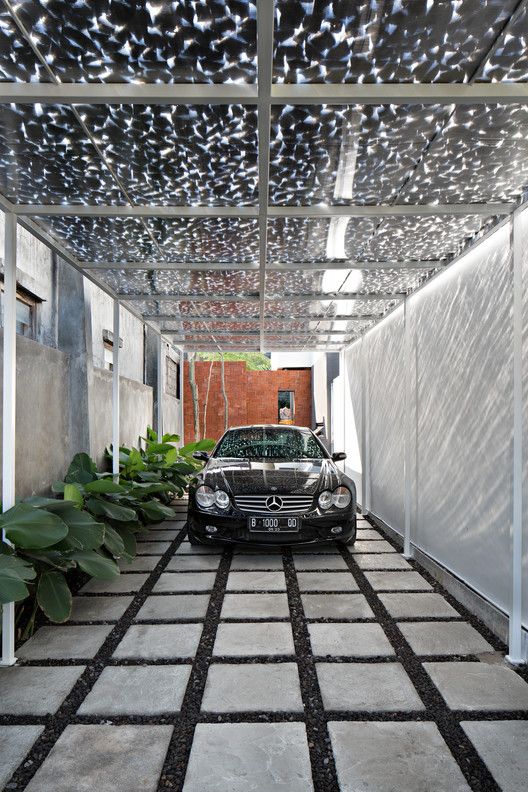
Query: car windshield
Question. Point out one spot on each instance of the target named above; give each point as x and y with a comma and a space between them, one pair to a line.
269, 443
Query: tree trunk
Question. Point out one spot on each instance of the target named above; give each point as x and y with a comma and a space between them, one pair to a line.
207, 400
224, 394
194, 392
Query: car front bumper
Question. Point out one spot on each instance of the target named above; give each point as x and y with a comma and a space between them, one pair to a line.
233, 528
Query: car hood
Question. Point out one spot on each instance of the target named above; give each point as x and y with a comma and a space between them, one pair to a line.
255, 477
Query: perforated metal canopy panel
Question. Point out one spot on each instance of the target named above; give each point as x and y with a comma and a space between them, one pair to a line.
181, 154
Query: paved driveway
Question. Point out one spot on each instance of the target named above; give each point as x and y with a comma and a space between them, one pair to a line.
248, 671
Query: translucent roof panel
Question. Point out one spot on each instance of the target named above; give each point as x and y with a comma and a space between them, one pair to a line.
480, 157
152, 309
46, 158
17, 61
94, 239
179, 240
137, 40
298, 239
389, 40
365, 281
422, 238
312, 150
163, 282
183, 154
230, 239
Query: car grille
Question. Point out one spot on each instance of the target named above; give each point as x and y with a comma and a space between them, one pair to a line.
288, 504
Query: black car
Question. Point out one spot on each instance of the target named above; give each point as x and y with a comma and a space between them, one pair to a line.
271, 485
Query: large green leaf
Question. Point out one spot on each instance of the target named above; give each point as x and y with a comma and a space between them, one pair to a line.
113, 542
73, 493
82, 469
103, 487
159, 448
129, 541
156, 512
54, 596
31, 528
13, 574
170, 438
12, 589
84, 529
95, 564
113, 511
50, 504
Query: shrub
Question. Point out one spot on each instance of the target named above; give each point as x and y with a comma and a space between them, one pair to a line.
92, 525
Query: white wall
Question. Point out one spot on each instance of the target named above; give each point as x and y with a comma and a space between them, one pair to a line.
461, 417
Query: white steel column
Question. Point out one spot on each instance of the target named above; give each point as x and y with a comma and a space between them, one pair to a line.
182, 410
407, 374
115, 394
160, 385
515, 649
9, 414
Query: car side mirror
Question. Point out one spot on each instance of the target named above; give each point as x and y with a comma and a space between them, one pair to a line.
339, 456
203, 456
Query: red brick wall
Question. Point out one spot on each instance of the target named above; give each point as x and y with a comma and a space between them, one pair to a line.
252, 396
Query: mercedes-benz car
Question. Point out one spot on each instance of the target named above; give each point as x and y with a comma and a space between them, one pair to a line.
270, 485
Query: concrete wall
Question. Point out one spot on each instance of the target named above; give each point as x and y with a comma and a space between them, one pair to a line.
43, 432
461, 417
131, 359
136, 402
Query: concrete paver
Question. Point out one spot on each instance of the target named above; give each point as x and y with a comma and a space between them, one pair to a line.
64, 643
104, 758
384, 757
260, 757
137, 690
503, 745
252, 687
261, 638
367, 687
159, 641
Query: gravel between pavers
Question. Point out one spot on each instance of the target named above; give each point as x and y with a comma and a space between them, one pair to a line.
314, 716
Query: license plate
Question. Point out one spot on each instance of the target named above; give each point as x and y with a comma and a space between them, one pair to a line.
274, 524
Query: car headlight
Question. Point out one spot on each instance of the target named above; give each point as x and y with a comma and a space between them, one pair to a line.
325, 499
221, 499
205, 497
341, 497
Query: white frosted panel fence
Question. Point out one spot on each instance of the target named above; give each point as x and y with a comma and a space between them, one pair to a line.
462, 330
461, 428
353, 415
386, 393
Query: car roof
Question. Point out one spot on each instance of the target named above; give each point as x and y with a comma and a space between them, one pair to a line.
269, 426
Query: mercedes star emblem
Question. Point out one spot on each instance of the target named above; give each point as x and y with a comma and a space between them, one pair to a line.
274, 503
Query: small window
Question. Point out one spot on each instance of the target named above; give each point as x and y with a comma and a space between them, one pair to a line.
286, 407
108, 348
172, 377
26, 306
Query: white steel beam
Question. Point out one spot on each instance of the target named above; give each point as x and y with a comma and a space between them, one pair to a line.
515, 647
9, 415
249, 298
344, 264
128, 93
265, 18
255, 319
400, 93
281, 94
256, 332
115, 394
315, 210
